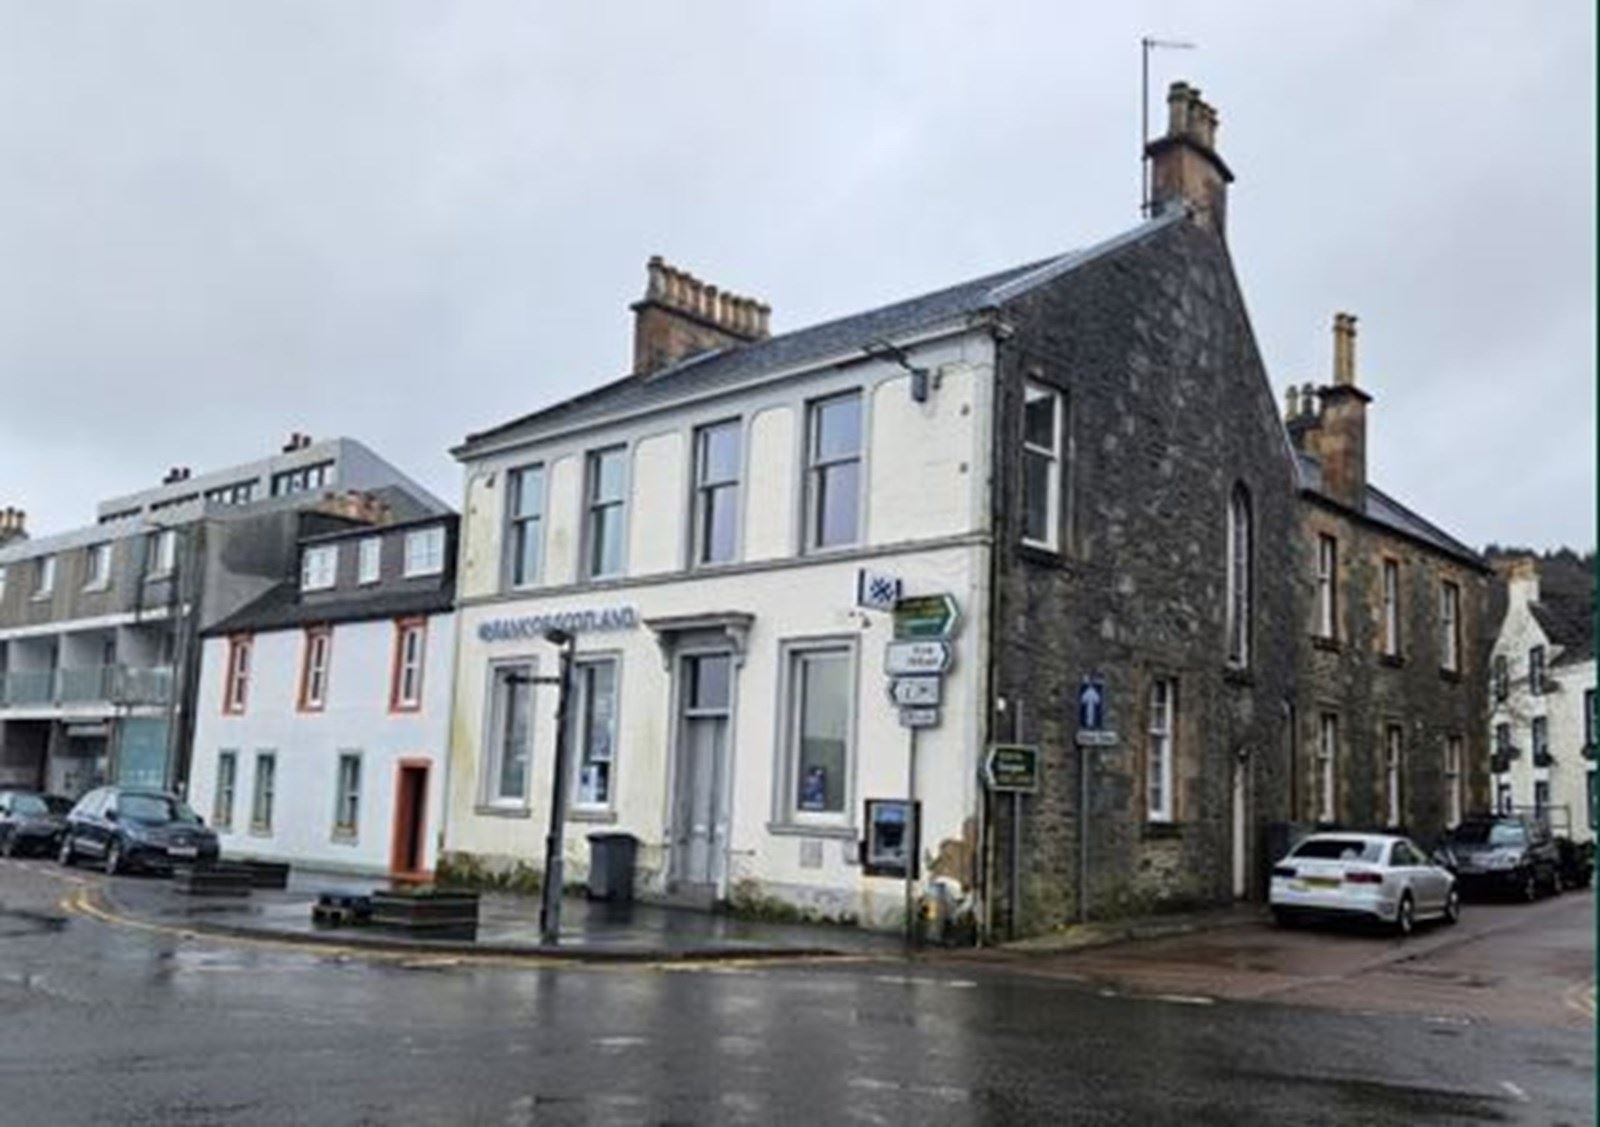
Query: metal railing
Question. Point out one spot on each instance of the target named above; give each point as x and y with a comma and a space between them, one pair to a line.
93, 684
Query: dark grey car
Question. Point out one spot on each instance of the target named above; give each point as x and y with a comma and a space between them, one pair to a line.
31, 822
1504, 853
126, 828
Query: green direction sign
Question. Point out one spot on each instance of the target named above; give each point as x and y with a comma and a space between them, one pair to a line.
1012, 768
926, 616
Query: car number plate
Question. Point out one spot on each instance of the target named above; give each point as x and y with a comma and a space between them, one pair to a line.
183, 851
1322, 882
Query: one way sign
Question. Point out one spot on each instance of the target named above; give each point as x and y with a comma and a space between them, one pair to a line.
1091, 704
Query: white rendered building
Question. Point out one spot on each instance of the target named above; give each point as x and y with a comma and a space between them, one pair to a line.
1542, 725
324, 706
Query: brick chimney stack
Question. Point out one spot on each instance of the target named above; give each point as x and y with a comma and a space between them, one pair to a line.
1341, 433
1184, 165
680, 316
13, 525
1521, 577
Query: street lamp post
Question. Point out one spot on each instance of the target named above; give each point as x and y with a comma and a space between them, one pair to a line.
550, 904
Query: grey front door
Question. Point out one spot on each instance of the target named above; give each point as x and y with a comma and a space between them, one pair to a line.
700, 802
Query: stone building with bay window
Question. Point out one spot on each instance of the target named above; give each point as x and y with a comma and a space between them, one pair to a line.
1082, 451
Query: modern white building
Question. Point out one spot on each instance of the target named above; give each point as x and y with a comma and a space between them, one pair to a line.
1542, 694
324, 706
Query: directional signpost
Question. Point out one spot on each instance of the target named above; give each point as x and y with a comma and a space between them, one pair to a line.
1012, 769
916, 662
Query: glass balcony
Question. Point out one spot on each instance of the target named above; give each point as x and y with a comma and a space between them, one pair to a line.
95, 684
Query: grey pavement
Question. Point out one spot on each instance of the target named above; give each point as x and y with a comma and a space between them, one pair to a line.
114, 1024
508, 924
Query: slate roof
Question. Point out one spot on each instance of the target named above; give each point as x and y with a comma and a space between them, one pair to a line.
1382, 509
282, 609
731, 367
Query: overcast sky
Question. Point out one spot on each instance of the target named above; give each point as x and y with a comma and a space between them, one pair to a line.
221, 222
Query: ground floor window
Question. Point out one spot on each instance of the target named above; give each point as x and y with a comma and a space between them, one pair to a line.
1452, 778
227, 783
1594, 808
347, 797
1393, 738
1158, 752
1503, 797
819, 713
1327, 759
1541, 798
594, 729
266, 783
509, 750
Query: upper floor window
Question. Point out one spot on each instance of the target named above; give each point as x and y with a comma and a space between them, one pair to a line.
1240, 577
1391, 609
44, 577
162, 557
314, 669
525, 523
424, 551
236, 689
1502, 742
607, 511
369, 559
97, 569
716, 492
1536, 671
1041, 466
1158, 751
410, 641
1327, 587
318, 567
302, 480
833, 472
239, 493
1501, 677
1450, 627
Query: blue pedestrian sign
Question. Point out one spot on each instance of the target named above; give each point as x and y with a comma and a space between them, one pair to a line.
1091, 704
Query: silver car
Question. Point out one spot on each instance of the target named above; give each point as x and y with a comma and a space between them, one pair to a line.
1373, 876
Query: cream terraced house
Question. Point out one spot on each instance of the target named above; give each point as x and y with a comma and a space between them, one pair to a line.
1083, 452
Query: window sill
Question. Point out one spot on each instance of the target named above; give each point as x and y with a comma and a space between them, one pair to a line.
1451, 675
503, 811
1330, 645
1393, 661
258, 830
1238, 675
345, 837
96, 588
1161, 831
591, 814
438, 571
1039, 554
800, 829
157, 576
42, 596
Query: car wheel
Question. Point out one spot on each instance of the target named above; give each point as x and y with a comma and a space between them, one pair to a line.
1283, 917
1405, 916
8, 846
1530, 887
1557, 885
66, 856
113, 858
1452, 907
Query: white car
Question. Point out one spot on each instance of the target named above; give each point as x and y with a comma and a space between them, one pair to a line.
1371, 876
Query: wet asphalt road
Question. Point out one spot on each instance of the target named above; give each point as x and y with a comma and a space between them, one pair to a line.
104, 1024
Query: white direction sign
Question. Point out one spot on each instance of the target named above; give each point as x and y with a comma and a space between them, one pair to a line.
919, 717
900, 658
921, 690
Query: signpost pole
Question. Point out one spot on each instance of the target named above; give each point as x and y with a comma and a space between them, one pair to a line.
913, 845
1013, 876
1083, 833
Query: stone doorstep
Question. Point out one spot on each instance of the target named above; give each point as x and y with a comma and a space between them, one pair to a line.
1078, 937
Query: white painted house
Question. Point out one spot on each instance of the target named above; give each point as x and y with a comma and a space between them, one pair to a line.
1542, 726
324, 706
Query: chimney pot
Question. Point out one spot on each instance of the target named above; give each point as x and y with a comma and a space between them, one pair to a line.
680, 315
1291, 403
1184, 166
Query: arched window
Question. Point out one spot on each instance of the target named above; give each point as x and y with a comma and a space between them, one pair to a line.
1240, 577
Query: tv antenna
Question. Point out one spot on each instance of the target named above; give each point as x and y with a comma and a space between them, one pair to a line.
1146, 45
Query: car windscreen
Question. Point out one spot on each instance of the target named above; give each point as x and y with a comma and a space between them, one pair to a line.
1338, 849
30, 804
1489, 833
153, 809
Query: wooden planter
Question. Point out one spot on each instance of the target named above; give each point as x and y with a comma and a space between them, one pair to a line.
427, 912
218, 879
